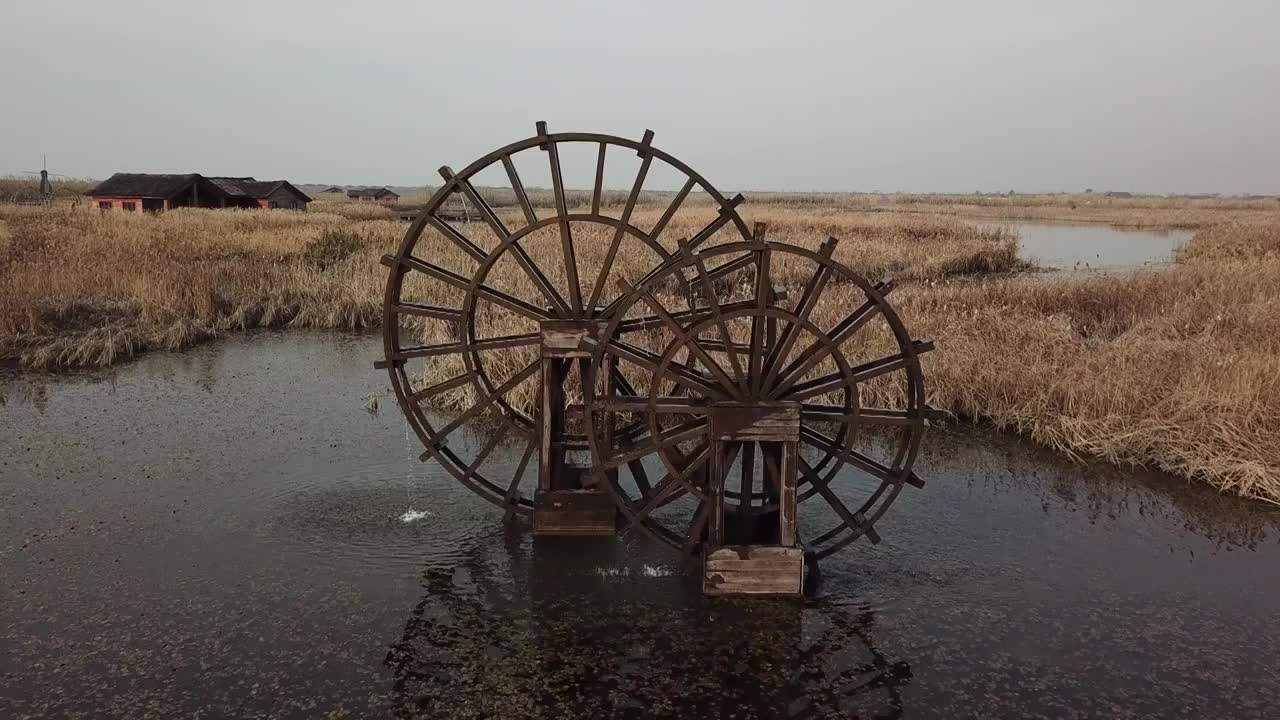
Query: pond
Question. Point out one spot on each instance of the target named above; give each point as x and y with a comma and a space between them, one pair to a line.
1064, 246
228, 532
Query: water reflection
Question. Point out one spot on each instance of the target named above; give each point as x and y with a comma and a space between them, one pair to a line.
557, 632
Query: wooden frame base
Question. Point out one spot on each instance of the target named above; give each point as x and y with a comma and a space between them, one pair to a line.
753, 570
574, 512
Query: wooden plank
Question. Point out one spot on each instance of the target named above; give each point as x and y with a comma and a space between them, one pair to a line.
755, 421
574, 512
747, 552
753, 570
778, 563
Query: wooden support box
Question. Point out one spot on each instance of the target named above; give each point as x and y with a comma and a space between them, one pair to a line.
753, 570
574, 512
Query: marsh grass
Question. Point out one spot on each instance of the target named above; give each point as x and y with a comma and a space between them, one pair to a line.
1176, 369
26, 189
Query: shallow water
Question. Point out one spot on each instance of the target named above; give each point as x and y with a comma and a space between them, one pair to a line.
224, 531
1065, 246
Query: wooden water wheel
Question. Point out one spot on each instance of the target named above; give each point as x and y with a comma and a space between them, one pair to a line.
484, 318
755, 409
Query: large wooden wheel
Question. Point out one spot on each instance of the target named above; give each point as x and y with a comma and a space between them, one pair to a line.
836, 354
472, 289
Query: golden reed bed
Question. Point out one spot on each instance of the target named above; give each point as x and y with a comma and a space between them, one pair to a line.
1177, 369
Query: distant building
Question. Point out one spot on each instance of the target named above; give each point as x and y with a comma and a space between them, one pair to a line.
144, 192
1119, 194
333, 189
373, 195
247, 192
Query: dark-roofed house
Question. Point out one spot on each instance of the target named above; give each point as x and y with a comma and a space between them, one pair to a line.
333, 189
143, 192
136, 192
247, 192
373, 195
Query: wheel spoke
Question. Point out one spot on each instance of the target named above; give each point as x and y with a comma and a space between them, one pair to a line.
686, 339
700, 237
462, 241
513, 490
450, 384
713, 305
504, 240
821, 484
856, 459
432, 311
858, 374
562, 213
672, 484
640, 476
671, 437
803, 309
714, 226
495, 437
684, 375
671, 210
496, 297
453, 348
691, 317
522, 197
606, 266
730, 267
438, 440
819, 349
599, 186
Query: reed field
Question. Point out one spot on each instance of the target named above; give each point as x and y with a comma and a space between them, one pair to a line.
1176, 368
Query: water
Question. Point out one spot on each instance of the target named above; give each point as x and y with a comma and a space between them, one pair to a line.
1097, 247
228, 532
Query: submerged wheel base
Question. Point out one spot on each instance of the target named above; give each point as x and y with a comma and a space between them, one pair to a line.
574, 512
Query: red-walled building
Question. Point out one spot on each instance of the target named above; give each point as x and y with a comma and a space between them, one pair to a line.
141, 192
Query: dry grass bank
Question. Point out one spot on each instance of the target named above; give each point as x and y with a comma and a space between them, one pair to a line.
86, 288
1137, 212
1176, 369
82, 287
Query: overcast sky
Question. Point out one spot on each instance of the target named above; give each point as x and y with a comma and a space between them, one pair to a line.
1159, 96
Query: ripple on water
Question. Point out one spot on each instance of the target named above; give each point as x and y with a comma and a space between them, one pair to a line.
365, 525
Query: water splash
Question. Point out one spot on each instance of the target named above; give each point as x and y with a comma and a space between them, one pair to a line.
412, 515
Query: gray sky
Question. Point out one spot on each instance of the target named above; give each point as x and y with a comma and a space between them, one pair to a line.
1168, 96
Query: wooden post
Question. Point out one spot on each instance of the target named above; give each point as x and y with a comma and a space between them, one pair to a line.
787, 496
715, 491
551, 418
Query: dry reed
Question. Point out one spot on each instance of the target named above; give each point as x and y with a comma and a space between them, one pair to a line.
1178, 369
